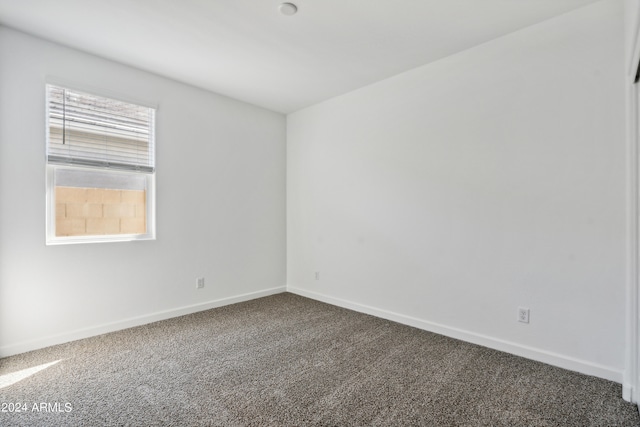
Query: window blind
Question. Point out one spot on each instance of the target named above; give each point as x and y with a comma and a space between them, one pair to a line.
89, 130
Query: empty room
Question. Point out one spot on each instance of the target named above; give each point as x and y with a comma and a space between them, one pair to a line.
319, 212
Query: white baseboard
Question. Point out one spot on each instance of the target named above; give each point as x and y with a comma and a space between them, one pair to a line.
532, 353
22, 347
486, 341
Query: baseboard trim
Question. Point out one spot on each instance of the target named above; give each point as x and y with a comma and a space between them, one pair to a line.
22, 347
532, 353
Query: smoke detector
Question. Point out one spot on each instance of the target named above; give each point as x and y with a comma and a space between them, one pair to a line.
288, 9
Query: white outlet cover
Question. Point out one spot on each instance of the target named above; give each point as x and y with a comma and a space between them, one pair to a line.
523, 315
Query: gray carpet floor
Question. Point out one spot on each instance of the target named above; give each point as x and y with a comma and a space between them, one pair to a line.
286, 360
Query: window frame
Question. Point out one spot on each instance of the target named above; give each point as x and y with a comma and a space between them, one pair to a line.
50, 170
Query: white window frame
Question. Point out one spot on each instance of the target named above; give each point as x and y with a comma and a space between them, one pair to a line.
150, 180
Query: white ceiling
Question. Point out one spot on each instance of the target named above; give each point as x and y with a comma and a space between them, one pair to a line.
247, 50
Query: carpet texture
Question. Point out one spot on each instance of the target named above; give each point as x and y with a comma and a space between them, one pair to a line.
286, 360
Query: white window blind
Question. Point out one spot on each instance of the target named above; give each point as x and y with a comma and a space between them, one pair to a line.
89, 130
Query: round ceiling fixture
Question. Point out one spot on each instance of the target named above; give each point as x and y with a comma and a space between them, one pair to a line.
288, 9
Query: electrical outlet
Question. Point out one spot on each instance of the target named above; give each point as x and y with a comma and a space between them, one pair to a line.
523, 315
317, 275
200, 283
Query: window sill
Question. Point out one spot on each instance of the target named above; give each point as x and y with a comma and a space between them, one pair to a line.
98, 239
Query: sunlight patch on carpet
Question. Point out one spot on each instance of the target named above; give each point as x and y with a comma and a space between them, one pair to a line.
12, 378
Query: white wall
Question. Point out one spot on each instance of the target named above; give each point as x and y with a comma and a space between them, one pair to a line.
449, 195
224, 158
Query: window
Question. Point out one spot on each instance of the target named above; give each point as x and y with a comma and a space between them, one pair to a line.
100, 168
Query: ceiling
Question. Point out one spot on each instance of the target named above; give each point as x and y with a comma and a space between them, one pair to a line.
247, 50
